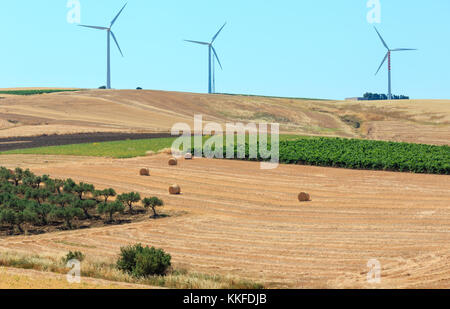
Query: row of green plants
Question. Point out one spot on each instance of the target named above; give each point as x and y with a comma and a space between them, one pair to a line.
42, 201
33, 92
362, 154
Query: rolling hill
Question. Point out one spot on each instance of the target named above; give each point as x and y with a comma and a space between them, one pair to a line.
420, 121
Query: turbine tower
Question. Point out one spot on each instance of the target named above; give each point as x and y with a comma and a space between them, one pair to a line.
109, 33
388, 57
211, 66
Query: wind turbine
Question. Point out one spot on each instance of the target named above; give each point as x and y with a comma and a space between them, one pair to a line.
388, 57
211, 67
109, 34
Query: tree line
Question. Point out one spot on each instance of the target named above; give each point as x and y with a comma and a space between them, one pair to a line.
41, 201
379, 97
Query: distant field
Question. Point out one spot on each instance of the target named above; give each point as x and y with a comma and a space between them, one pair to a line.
145, 111
34, 91
272, 97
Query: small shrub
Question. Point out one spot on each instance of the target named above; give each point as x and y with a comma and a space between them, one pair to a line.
76, 255
143, 261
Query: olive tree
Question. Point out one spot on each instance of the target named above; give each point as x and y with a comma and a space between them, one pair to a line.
85, 205
107, 193
110, 208
68, 214
152, 203
129, 199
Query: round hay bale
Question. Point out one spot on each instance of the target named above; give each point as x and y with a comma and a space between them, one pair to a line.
173, 161
175, 189
167, 151
304, 197
171, 152
144, 172
188, 156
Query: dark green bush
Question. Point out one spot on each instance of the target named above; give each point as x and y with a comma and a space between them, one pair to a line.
143, 261
76, 255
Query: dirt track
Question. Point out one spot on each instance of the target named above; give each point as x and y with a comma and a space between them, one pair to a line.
248, 222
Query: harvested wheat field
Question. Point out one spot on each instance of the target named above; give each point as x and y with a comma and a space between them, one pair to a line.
247, 222
86, 111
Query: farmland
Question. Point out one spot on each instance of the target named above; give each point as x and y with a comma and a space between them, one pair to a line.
361, 154
333, 152
129, 111
116, 149
245, 222
235, 225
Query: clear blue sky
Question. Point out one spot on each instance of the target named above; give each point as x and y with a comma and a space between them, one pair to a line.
296, 48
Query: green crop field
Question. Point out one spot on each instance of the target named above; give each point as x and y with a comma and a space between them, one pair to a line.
319, 151
118, 149
364, 154
34, 92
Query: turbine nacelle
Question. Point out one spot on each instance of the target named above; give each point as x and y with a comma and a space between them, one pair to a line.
389, 50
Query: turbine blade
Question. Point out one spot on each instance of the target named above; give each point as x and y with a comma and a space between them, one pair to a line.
217, 57
115, 40
384, 60
118, 14
384, 43
197, 42
94, 27
403, 49
217, 34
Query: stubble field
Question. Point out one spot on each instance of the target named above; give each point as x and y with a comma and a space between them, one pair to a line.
235, 219
243, 221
